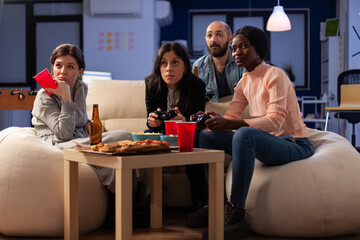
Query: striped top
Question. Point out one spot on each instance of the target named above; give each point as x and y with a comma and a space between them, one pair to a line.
272, 101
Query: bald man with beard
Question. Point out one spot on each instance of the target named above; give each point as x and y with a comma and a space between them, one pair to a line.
217, 68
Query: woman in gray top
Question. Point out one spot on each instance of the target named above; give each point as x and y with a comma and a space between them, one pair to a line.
61, 117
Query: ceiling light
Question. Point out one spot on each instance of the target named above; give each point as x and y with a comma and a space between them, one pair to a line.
278, 20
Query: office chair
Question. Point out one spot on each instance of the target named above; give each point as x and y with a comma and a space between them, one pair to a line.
348, 99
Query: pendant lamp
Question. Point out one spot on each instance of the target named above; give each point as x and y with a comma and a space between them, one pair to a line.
278, 20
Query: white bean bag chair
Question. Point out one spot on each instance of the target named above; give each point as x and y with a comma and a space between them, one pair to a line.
32, 188
315, 197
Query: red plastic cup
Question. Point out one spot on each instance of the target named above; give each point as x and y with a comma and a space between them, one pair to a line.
45, 80
170, 127
186, 136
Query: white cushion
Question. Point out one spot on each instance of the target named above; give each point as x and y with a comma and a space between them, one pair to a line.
32, 188
315, 197
121, 103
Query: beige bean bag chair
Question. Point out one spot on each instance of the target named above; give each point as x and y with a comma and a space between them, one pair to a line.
32, 188
315, 197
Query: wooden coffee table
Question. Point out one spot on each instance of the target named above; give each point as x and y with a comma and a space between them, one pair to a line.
123, 166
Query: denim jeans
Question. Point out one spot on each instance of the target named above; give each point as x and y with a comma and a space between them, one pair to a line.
248, 143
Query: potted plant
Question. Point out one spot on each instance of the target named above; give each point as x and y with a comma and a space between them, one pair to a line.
288, 69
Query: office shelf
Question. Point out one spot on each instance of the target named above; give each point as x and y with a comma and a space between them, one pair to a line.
318, 112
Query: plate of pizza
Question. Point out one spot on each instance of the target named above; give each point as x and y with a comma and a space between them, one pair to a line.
126, 147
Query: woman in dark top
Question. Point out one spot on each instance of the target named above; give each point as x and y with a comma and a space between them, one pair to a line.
173, 86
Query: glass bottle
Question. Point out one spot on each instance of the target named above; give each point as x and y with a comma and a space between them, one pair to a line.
196, 71
95, 126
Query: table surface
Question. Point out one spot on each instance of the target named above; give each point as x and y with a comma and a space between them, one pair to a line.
172, 158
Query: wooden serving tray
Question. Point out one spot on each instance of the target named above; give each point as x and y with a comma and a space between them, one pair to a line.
155, 151
86, 148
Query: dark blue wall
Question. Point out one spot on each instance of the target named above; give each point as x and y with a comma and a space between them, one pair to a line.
320, 10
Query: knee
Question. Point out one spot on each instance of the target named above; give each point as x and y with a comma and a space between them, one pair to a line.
204, 134
116, 135
205, 137
244, 134
124, 135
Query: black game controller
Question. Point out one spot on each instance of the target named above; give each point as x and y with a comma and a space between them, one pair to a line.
163, 115
200, 118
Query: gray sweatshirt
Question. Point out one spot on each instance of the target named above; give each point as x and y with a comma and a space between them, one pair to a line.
58, 121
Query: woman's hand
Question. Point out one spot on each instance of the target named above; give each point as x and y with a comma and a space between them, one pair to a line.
153, 121
199, 126
63, 90
87, 127
179, 115
217, 123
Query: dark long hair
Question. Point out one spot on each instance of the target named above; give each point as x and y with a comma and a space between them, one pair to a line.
156, 85
68, 49
257, 39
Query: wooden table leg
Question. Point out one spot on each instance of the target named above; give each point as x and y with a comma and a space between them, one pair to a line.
156, 197
71, 200
123, 204
216, 201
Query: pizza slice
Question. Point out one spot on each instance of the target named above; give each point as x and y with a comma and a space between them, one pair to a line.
132, 147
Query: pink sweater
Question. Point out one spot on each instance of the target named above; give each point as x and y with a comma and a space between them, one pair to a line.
273, 106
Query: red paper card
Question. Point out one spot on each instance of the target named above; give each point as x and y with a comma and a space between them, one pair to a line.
45, 80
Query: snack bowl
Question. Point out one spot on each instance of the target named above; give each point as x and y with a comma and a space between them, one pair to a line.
172, 139
143, 136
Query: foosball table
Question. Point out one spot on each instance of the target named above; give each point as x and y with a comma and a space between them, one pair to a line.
17, 99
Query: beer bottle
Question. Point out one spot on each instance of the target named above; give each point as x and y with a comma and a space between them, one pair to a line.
95, 126
196, 71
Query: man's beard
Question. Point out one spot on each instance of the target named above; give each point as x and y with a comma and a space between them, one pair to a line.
218, 52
